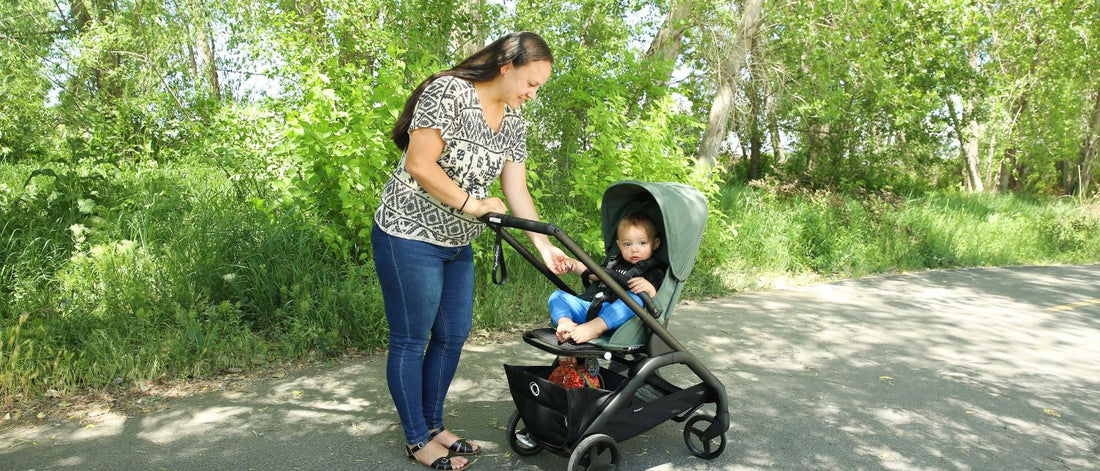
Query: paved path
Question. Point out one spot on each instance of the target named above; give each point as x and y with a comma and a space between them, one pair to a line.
978, 369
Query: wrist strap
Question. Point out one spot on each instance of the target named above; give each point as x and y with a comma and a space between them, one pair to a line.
498, 260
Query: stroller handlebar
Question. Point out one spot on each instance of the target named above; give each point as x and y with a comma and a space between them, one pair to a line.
504, 220
496, 221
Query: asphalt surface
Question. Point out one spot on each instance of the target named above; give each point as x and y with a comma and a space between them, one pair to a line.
977, 369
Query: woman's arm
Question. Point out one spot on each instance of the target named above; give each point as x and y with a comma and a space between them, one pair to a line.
513, 181
422, 162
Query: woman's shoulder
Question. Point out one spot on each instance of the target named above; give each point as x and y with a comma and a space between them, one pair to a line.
450, 88
450, 82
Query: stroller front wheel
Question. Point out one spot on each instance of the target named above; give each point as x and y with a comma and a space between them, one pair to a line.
521, 442
597, 452
695, 433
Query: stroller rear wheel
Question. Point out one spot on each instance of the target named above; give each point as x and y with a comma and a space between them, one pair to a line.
595, 452
694, 432
521, 442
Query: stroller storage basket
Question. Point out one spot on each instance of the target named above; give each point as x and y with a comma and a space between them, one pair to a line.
559, 417
555, 415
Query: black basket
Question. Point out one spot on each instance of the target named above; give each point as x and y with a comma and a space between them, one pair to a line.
555, 415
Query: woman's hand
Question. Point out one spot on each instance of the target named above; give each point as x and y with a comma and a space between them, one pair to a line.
555, 259
479, 208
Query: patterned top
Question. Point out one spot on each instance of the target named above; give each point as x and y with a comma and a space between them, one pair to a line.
473, 156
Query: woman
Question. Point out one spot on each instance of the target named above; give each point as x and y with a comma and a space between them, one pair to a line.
460, 130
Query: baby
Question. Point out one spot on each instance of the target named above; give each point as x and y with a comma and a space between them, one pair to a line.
596, 311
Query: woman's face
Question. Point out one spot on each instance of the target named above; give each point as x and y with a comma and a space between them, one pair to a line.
523, 82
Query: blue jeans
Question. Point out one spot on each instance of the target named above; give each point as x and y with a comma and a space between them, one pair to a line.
428, 291
614, 314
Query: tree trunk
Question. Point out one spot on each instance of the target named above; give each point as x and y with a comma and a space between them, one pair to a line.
773, 130
815, 135
666, 45
1089, 149
467, 36
205, 42
967, 136
970, 144
105, 85
989, 174
756, 141
310, 20
722, 105
1009, 171
754, 92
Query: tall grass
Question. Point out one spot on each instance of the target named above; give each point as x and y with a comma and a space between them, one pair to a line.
164, 271
772, 236
157, 271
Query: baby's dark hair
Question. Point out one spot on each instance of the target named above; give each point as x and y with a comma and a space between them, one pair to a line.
639, 219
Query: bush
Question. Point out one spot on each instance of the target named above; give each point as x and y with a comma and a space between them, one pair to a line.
166, 274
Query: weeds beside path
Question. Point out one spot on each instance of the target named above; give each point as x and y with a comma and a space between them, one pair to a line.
85, 407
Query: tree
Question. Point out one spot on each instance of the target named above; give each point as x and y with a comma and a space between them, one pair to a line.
1086, 156
728, 75
26, 33
204, 41
468, 34
665, 48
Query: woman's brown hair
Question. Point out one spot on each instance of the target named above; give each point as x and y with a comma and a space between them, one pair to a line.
519, 49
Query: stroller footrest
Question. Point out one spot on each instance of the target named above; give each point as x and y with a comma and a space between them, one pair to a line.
546, 339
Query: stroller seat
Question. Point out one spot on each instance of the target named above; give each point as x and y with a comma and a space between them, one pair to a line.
620, 341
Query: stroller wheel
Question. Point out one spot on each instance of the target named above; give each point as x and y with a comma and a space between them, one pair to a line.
695, 431
521, 442
595, 452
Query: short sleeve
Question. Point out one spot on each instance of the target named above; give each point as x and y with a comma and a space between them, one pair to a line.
517, 148
436, 108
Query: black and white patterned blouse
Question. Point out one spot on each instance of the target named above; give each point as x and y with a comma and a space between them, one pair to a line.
473, 156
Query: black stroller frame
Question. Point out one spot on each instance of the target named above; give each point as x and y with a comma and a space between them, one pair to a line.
586, 424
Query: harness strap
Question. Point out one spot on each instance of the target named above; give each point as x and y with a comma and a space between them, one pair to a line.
603, 292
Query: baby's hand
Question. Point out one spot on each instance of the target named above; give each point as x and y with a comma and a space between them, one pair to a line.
641, 285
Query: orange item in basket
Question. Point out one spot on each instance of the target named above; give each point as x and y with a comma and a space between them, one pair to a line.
569, 374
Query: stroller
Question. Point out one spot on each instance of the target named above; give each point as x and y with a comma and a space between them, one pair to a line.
586, 424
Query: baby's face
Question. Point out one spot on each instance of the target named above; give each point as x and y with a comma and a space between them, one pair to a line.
635, 244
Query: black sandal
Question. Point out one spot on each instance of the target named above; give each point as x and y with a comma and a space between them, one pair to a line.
443, 463
461, 446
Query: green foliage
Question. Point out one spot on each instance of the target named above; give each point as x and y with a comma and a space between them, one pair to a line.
779, 233
24, 116
621, 150
167, 274
338, 154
